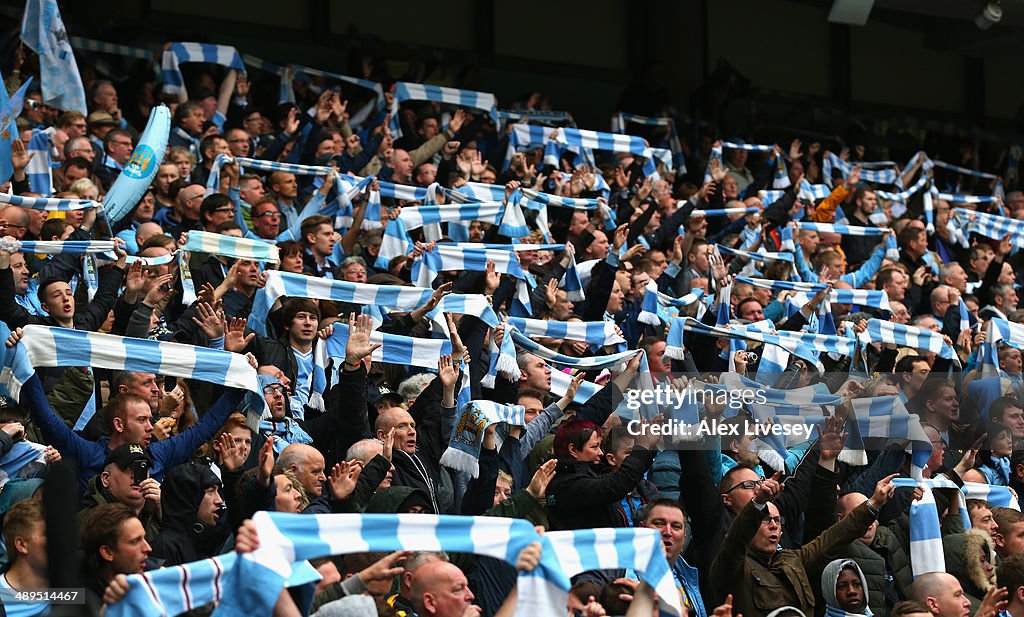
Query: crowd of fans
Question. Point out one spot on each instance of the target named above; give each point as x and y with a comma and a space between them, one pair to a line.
169, 468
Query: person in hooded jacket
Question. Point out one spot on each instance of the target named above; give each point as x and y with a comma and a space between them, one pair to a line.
971, 558
845, 589
195, 523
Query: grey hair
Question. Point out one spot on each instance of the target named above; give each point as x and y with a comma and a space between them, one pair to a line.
413, 386
361, 450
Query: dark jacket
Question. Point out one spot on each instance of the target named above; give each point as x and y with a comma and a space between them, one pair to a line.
184, 539
760, 583
99, 495
579, 498
422, 469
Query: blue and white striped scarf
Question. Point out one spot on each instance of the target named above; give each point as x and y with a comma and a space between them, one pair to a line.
801, 344
444, 257
676, 159
875, 172
408, 91
644, 382
178, 589
257, 578
659, 307
722, 212
593, 332
560, 386
178, 53
636, 549
39, 170
290, 72
811, 192
43, 346
261, 165
230, 246
463, 453
49, 204
760, 256
394, 349
780, 176
904, 195
966, 199
24, 456
397, 242
56, 247
926, 554
116, 49
286, 284
879, 331
891, 248
992, 225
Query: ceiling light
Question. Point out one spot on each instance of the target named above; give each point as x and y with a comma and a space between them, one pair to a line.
990, 14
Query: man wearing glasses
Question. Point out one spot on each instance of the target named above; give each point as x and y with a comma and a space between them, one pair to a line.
117, 147
810, 486
266, 219
759, 574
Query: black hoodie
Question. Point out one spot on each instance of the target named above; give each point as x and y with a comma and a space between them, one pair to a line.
184, 539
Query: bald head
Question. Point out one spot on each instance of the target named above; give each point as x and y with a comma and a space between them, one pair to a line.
848, 502
364, 450
308, 464
146, 231
942, 594
403, 424
440, 589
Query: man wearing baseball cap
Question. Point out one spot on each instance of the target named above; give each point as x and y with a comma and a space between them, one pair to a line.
125, 479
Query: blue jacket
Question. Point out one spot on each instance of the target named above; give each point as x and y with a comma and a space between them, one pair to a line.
89, 456
687, 579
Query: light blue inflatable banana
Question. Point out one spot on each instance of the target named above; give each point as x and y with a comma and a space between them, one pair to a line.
138, 173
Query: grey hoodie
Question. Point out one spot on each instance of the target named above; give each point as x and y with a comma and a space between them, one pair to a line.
829, 578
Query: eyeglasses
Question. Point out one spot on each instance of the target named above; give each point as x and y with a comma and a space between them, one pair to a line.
194, 197
225, 209
122, 143
748, 485
269, 214
768, 520
6, 225
277, 387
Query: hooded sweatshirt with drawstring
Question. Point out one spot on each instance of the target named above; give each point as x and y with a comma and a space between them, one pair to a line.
829, 580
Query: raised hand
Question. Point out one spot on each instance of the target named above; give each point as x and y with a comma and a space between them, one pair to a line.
159, 292
389, 444
458, 348
208, 320
265, 465
446, 372
769, 489
359, 345
884, 490
830, 443
386, 569
492, 279
343, 479
235, 339
134, 279
539, 484
232, 452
